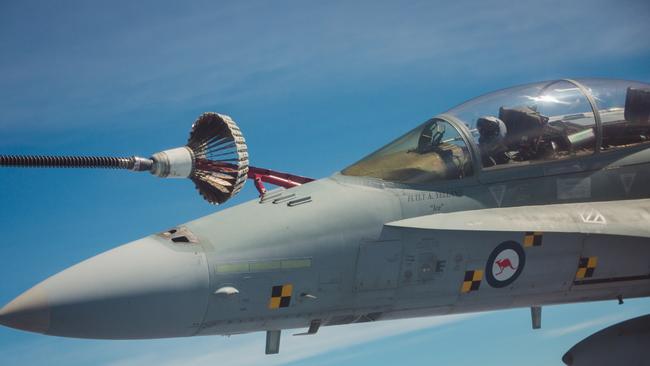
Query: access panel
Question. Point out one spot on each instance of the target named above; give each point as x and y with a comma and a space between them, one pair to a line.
378, 265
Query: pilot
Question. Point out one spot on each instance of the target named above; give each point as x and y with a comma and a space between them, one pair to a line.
492, 132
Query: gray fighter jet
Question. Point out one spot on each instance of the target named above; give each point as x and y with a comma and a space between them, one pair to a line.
525, 197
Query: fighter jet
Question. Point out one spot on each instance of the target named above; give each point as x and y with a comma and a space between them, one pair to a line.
529, 196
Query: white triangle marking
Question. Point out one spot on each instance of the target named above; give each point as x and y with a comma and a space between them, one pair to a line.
593, 217
627, 179
497, 193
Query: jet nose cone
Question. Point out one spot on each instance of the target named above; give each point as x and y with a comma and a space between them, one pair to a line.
29, 311
149, 288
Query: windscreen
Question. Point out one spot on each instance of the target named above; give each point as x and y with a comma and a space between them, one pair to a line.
431, 152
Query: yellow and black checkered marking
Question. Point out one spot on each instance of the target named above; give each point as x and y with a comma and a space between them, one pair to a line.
472, 280
280, 296
586, 267
533, 239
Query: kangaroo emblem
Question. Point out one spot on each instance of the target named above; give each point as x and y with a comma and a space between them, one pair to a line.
503, 264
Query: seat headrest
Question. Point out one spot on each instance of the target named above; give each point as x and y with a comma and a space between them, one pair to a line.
522, 121
491, 126
637, 105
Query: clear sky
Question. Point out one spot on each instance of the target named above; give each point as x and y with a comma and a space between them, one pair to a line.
314, 86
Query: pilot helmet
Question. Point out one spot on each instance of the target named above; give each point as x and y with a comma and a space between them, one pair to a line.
491, 127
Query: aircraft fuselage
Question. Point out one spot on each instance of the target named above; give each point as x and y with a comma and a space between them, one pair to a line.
322, 252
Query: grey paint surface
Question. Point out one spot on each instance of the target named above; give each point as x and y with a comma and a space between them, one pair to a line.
625, 343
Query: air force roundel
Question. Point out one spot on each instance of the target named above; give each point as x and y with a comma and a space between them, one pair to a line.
505, 264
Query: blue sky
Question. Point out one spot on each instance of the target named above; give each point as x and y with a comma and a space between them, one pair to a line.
314, 86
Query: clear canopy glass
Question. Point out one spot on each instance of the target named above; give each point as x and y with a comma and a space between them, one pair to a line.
624, 107
536, 122
526, 124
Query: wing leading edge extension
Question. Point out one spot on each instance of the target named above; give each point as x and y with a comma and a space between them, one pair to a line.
624, 218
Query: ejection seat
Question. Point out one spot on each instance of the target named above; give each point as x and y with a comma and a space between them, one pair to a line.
525, 128
531, 136
635, 128
637, 105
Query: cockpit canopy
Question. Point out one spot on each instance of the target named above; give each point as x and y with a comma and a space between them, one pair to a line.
523, 125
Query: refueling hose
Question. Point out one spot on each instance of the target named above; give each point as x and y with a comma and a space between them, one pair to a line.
105, 162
